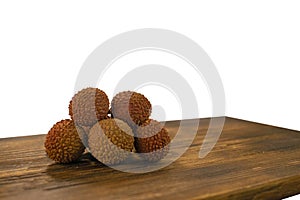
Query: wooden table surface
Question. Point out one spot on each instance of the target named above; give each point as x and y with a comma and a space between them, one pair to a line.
250, 161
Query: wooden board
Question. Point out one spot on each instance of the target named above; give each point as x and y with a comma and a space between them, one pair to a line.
250, 161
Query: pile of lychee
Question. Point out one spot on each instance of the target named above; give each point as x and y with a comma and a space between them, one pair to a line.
109, 132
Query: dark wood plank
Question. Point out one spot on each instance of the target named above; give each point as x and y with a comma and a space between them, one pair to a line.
250, 161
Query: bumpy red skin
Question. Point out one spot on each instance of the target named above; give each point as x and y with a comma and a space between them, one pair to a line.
110, 141
89, 106
152, 138
131, 107
63, 144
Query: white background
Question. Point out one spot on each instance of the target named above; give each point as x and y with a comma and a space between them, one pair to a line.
255, 46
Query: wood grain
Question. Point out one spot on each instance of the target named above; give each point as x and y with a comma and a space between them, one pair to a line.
250, 161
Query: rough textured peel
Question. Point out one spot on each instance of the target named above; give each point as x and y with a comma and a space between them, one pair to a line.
131, 107
63, 144
152, 138
111, 141
89, 106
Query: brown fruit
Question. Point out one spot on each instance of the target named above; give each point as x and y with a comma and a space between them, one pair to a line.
151, 140
63, 144
131, 107
89, 106
84, 135
111, 141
